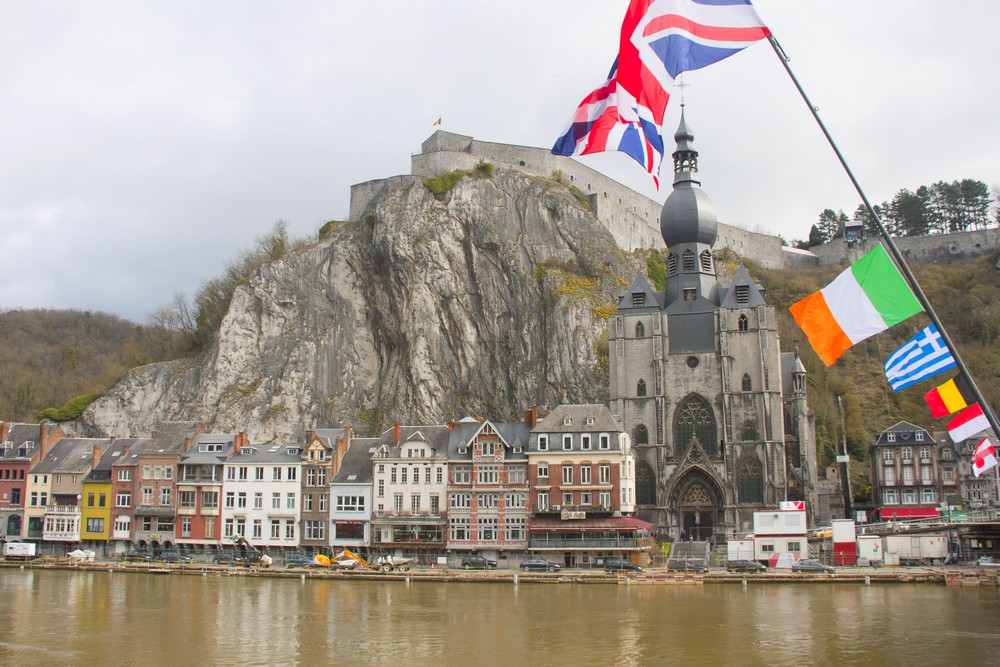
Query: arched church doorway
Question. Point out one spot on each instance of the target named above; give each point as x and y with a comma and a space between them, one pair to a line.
698, 510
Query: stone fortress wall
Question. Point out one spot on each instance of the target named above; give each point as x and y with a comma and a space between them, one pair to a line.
633, 219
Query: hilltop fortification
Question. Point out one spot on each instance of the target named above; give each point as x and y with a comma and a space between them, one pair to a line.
634, 219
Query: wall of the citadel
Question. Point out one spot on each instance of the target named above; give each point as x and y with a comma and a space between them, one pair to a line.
934, 248
632, 219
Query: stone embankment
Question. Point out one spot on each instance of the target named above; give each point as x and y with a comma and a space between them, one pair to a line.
965, 576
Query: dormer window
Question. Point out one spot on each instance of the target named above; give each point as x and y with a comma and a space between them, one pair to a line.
590, 420
567, 421
246, 450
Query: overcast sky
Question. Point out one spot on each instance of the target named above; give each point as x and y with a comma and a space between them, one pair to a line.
144, 144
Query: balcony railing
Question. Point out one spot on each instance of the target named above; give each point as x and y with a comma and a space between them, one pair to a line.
546, 542
62, 509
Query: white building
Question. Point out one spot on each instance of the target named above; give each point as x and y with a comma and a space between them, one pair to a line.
351, 497
260, 496
410, 482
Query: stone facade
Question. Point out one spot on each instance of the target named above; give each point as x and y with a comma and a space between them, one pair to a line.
717, 414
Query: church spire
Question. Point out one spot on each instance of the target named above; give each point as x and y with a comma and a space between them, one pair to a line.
685, 157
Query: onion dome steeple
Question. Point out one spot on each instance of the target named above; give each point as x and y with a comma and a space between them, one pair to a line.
688, 215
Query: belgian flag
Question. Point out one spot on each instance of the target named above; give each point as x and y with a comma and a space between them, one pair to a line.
950, 397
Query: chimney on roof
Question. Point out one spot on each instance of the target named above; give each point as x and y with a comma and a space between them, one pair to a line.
5, 430
395, 433
341, 446
96, 458
310, 436
531, 416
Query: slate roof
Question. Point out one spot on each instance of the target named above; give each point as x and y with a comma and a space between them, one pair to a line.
330, 435
70, 455
742, 278
102, 471
195, 457
169, 437
256, 454
356, 468
436, 436
514, 434
18, 435
136, 448
554, 422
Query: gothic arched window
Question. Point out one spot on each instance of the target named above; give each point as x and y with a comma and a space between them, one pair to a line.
750, 430
641, 435
744, 323
695, 418
747, 383
640, 330
640, 388
645, 484
687, 261
751, 481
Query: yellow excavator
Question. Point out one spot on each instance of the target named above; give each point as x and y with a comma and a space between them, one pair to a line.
345, 560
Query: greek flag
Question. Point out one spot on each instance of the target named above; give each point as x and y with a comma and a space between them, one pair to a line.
923, 356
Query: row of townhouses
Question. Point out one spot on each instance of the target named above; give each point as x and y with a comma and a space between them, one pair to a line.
560, 487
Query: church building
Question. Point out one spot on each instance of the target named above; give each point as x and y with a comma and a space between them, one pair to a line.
717, 414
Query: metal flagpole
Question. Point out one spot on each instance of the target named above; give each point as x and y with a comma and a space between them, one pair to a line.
887, 241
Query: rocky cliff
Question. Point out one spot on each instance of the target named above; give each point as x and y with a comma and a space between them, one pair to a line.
485, 300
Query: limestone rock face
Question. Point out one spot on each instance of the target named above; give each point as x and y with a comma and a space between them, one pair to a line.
486, 302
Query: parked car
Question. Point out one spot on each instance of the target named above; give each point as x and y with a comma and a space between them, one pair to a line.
812, 565
228, 558
173, 556
297, 560
135, 556
686, 566
620, 565
477, 562
745, 566
539, 564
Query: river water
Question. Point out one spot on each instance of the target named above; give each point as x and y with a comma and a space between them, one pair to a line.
102, 618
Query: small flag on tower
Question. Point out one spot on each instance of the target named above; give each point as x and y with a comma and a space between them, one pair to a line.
969, 422
984, 458
437, 122
950, 397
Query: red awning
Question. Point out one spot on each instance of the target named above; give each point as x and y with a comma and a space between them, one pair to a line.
615, 523
908, 512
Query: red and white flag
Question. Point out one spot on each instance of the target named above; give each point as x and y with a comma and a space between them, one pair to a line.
984, 458
969, 422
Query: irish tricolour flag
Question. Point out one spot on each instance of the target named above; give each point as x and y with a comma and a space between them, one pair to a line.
864, 300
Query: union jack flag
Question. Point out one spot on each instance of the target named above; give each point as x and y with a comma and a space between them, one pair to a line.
660, 39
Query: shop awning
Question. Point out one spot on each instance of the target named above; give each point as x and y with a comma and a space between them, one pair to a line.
908, 512
621, 524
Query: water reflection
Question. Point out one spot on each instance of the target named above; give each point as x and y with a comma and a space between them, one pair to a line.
98, 617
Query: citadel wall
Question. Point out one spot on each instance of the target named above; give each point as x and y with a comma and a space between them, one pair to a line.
633, 219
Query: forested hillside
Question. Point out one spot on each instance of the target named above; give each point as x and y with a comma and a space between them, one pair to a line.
49, 357
966, 296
